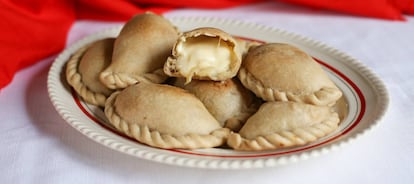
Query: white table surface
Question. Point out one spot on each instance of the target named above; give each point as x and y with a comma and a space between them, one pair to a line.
38, 146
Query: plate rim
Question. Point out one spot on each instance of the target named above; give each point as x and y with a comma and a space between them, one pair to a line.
216, 163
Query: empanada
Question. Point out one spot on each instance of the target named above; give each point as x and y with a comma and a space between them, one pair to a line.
281, 72
228, 101
84, 67
140, 51
164, 116
284, 124
204, 54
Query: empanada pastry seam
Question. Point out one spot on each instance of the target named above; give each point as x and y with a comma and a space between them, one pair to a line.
283, 139
269, 94
115, 80
74, 78
154, 138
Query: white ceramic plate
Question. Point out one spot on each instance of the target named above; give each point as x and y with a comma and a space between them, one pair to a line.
363, 105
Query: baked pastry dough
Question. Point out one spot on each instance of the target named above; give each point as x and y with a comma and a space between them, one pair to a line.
281, 72
228, 101
84, 67
246, 44
140, 51
164, 116
205, 54
284, 124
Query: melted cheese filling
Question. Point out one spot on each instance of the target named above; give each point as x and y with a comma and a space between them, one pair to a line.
204, 56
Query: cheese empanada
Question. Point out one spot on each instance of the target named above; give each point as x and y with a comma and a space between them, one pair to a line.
164, 116
140, 51
84, 67
281, 72
284, 124
204, 54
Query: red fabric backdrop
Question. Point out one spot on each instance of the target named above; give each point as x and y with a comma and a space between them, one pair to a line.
34, 29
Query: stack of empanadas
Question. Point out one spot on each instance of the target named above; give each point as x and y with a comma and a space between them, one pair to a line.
298, 97
204, 88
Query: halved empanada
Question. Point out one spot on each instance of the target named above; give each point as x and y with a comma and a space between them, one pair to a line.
140, 51
205, 54
284, 124
84, 67
228, 101
281, 72
164, 116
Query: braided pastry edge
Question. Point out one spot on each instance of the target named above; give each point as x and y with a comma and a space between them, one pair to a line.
74, 78
120, 80
325, 96
155, 138
287, 138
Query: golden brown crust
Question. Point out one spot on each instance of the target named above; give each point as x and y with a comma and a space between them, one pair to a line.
140, 51
281, 72
284, 124
164, 116
84, 67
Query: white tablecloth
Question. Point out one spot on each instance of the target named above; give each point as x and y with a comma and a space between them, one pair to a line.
38, 146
